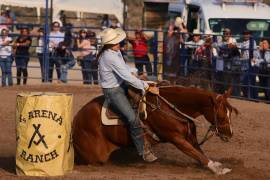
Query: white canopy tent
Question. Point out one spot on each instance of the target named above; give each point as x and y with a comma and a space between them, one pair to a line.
95, 6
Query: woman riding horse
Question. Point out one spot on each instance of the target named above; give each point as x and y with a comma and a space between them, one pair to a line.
113, 74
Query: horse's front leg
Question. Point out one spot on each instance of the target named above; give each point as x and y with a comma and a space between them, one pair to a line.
186, 147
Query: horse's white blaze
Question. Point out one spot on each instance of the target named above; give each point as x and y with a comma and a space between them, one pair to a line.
229, 117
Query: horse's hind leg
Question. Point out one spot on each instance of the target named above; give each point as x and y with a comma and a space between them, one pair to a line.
191, 151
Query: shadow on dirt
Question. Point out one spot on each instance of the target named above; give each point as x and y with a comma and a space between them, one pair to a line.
8, 164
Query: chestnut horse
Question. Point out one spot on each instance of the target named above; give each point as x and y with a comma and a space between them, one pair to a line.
94, 142
195, 102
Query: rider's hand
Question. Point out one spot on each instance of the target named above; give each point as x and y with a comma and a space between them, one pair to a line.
153, 90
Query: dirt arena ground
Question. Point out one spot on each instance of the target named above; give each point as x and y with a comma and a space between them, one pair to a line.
247, 153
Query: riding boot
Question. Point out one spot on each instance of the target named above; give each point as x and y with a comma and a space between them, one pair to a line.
148, 155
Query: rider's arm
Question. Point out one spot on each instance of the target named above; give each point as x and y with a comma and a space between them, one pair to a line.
119, 67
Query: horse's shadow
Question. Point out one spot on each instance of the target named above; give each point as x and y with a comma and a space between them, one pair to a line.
8, 164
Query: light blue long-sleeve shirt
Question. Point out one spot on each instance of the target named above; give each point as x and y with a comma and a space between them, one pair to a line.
259, 59
113, 71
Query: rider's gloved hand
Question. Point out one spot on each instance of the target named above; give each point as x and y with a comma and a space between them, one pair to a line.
154, 90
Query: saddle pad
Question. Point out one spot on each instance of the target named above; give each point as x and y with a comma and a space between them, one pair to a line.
113, 119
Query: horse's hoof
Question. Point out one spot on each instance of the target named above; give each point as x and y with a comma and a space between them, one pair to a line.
216, 167
226, 170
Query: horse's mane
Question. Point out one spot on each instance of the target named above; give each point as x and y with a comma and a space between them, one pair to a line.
210, 94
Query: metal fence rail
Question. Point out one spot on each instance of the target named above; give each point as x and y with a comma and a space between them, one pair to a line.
246, 83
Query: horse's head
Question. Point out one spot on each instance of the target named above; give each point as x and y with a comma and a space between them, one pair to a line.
223, 113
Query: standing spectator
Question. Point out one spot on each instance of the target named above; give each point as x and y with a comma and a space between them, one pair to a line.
192, 46
171, 54
262, 60
84, 58
140, 51
87, 57
225, 73
63, 18
39, 51
106, 22
63, 51
94, 65
183, 35
249, 77
56, 36
22, 45
5, 58
205, 55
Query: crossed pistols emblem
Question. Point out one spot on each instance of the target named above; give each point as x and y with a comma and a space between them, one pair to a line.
37, 133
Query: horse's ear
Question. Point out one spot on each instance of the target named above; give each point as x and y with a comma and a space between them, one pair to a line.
228, 92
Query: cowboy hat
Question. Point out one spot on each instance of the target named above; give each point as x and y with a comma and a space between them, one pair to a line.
112, 36
196, 32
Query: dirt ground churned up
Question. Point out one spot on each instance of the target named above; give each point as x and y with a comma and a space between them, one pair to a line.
247, 153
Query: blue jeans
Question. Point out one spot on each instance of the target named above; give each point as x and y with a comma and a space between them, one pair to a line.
5, 64
118, 100
89, 70
21, 66
248, 79
54, 61
64, 70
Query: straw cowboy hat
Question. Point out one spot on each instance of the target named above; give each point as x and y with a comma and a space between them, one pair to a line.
112, 36
196, 32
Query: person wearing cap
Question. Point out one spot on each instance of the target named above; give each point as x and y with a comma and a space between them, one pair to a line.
22, 55
56, 36
86, 57
114, 74
5, 57
248, 77
140, 51
191, 48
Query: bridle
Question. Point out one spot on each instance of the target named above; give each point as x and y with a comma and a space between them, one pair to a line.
212, 130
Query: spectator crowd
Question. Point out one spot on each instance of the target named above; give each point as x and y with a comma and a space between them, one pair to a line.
217, 61
207, 60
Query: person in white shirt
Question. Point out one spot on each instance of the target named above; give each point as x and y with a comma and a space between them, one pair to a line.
5, 57
56, 36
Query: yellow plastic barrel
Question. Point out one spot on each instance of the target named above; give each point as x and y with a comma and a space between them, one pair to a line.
43, 132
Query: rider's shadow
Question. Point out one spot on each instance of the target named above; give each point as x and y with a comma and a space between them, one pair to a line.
125, 156
8, 164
